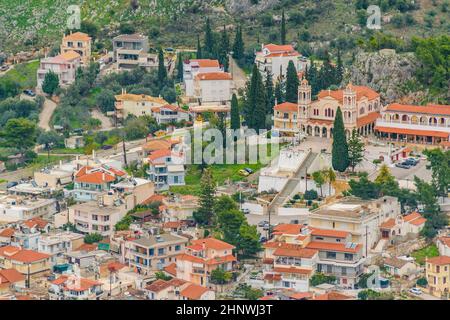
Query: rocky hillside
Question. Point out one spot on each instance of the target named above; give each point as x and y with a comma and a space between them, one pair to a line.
385, 71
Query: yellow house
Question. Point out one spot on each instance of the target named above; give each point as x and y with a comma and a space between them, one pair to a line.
438, 276
136, 104
79, 42
285, 118
27, 262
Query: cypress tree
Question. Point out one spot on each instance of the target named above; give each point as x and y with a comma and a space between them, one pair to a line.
199, 48
209, 39
204, 214
238, 46
255, 102
224, 48
180, 68
339, 71
269, 92
162, 72
283, 28
279, 92
235, 121
291, 83
340, 148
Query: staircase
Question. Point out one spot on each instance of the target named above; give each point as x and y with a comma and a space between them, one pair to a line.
290, 185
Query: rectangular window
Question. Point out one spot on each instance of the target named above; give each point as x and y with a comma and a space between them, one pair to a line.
160, 251
331, 255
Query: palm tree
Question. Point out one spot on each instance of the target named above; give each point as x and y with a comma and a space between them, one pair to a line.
330, 177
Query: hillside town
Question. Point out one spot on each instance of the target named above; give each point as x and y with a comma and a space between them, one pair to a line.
108, 202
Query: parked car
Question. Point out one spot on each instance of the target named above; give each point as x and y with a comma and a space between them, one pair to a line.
250, 171
29, 92
416, 291
262, 239
243, 172
262, 223
4, 68
106, 147
410, 162
402, 165
11, 184
245, 211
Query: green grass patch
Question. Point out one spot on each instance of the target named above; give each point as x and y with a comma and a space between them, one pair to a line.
429, 251
67, 151
23, 74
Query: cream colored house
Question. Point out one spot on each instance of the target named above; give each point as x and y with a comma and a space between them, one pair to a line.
136, 104
27, 262
213, 88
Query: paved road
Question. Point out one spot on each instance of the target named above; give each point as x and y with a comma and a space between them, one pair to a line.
46, 114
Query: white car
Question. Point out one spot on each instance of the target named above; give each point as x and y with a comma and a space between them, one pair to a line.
416, 291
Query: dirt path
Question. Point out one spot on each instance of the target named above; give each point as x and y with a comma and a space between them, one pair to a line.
239, 76
106, 122
46, 114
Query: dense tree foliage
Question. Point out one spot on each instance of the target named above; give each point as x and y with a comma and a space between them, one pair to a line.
340, 159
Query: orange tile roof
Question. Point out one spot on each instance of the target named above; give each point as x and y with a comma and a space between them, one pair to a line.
140, 98
39, 222
154, 198
329, 233
441, 260
115, 266
411, 216
220, 260
388, 224
340, 247
418, 221
292, 270
206, 63
157, 144
95, 178
428, 109
213, 243
11, 276
82, 171
171, 269
7, 233
172, 224
213, 76
367, 119
83, 283
298, 253
445, 241
286, 107
190, 258
288, 228
272, 277
429, 133
22, 255
158, 285
193, 292
301, 295
77, 36
279, 244
279, 48
332, 296
69, 55
361, 91
86, 247
154, 155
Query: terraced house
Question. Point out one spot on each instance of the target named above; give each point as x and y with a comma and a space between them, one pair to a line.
428, 124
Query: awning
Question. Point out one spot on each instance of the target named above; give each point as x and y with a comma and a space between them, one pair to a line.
428, 133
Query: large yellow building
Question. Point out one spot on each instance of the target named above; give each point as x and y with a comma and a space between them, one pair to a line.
438, 276
27, 262
80, 43
136, 104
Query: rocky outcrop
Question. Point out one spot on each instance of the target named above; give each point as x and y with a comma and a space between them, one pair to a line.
248, 7
385, 71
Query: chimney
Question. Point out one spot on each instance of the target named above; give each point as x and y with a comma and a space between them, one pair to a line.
103, 176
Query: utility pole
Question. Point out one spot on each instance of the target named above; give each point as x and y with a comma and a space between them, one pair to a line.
367, 227
124, 152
